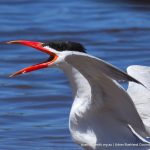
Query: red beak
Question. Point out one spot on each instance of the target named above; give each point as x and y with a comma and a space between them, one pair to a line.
38, 46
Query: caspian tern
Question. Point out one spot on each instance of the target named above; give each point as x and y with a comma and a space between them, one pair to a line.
103, 115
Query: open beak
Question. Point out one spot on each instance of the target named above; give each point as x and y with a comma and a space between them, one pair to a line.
38, 46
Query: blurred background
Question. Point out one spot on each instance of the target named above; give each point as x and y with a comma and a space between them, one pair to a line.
34, 108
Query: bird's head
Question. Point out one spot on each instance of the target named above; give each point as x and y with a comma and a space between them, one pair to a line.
55, 50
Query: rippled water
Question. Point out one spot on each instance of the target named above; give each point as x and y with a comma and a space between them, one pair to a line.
34, 108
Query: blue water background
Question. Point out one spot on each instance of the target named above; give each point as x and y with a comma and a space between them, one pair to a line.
34, 108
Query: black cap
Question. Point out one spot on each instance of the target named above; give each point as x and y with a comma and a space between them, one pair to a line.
65, 46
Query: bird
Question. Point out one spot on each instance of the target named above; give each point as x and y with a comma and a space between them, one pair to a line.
103, 116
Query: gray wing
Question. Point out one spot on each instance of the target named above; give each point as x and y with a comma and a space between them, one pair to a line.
140, 94
101, 66
101, 76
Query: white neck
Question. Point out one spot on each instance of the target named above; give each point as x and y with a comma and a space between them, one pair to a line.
80, 86
81, 93
81, 105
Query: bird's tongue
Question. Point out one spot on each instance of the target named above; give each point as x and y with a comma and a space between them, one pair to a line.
38, 46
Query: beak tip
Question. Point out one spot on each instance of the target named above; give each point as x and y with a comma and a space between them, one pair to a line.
12, 75
8, 42
15, 74
11, 42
